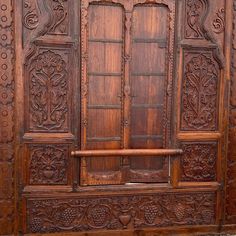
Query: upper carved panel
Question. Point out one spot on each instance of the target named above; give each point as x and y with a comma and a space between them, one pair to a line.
199, 161
48, 92
48, 164
45, 18
83, 214
199, 92
196, 11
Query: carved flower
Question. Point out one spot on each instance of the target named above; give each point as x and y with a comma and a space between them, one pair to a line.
6, 95
6, 114
6, 67
5, 13
49, 63
5, 37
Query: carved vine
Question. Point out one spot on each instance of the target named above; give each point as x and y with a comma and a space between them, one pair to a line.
83, 214
48, 92
199, 93
48, 164
198, 162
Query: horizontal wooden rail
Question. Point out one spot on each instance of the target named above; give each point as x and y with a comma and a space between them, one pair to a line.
127, 152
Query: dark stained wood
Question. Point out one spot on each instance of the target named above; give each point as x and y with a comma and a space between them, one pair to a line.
117, 117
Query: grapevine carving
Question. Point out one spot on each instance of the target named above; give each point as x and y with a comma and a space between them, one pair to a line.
199, 93
48, 165
48, 92
118, 212
198, 162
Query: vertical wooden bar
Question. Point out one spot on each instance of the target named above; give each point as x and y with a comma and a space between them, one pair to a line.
84, 86
126, 94
175, 167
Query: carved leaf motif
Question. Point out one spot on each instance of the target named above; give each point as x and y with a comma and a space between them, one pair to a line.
48, 165
199, 99
48, 92
199, 162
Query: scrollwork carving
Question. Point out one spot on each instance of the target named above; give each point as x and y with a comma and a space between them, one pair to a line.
219, 22
200, 92
196, 11
48, 92
59, 19
31, 17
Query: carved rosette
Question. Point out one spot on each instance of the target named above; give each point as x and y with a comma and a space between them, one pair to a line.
119, 212
198, 162
200, 92
48, 93
48, 164
6, 118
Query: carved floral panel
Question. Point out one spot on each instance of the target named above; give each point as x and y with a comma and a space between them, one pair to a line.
198, 162
48, 92
120, 212
200, 90
48, 164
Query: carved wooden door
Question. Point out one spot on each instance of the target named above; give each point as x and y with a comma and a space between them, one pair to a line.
127, 59
122, 113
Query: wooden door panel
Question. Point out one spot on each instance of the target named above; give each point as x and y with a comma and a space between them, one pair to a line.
103, 109
148, 85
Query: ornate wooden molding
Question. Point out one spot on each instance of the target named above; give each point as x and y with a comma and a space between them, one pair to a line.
230, 216
6, 118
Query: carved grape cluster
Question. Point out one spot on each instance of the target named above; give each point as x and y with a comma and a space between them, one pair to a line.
179, 211
68, 215
150, 213
36, 225
99, 215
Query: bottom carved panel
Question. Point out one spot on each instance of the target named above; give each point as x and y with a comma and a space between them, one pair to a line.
120, 212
